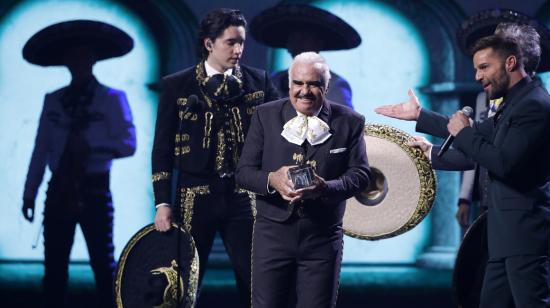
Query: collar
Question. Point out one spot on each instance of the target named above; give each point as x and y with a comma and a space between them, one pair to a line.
515, 89
211, 71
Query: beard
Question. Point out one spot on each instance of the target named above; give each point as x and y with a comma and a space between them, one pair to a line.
499, 85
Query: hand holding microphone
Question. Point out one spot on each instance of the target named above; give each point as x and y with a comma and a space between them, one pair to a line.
458, 121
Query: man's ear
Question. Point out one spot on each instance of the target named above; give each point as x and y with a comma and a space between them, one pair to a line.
208, 44
511, 63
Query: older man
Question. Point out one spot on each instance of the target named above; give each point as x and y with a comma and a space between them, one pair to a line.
512, 146
298, 232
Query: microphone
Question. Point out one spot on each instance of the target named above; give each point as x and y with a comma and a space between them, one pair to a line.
467, 111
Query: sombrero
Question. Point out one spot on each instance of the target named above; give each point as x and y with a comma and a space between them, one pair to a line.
273, 26
147, 271
47, 46
485, 22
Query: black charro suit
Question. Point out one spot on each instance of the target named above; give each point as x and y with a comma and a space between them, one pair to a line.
208, 200
514, 147
301, 242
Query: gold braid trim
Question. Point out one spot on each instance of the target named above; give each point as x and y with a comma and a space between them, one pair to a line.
188, 296
159, 176
207, 129
220, 150
187, 195
238, 123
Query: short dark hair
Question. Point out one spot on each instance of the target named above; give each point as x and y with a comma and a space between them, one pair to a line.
503, 46
213, 25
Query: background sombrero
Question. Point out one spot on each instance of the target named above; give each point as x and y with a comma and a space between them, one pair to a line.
272, 26
485, 22
47, 46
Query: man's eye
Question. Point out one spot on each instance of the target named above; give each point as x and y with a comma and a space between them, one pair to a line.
297, 83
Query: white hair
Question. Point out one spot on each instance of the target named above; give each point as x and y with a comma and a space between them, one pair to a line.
318, 62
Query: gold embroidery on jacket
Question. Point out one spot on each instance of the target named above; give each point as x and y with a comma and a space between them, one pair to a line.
220, 150
159, 176
207, 129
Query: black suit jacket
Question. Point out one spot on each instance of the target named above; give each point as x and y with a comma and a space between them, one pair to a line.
514, 148
195, 148
346, 171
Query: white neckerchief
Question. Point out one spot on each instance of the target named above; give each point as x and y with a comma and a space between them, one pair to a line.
211, 71
310, 128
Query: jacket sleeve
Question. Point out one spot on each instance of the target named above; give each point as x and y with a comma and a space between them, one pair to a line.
525, 132
39, 157
249, 174
163, 145
452, 160
432, 123
356, 177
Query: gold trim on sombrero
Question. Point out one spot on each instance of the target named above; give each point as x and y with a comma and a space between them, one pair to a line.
425, 173
191, 292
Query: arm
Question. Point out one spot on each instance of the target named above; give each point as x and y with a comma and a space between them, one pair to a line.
465, 197
37, 166
249, 173
356, 177
525, 131
163, 156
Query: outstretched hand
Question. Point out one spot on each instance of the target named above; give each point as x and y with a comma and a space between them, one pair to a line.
409, 110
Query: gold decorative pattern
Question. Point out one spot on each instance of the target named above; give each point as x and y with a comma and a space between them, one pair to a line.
220, 150
188, 194
313, 163
253, 96
298, 158
182, 101
207, 129
159, 176
182, 137
170, 294
189, 296
238, 124
250, 110
426, 174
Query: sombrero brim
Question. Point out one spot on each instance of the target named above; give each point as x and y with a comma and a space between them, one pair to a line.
146, 268
485, 22
47, 46
273, 26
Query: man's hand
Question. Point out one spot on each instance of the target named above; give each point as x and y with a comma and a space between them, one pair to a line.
409, 110
280, 181
457, 122
163, 219
28, 209
463, 214
314, 191
423, 144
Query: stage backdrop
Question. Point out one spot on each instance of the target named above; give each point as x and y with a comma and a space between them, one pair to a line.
22, 89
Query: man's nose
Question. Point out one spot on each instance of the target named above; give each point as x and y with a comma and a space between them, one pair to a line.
238, 48
479, 76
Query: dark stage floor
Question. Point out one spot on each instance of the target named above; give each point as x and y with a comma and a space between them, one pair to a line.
371, 286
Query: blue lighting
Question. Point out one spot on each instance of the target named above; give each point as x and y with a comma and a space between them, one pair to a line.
22, 90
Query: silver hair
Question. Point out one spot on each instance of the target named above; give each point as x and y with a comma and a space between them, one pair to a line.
528, 40
318, 62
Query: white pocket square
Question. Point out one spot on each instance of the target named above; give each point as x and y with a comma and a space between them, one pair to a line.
338, 150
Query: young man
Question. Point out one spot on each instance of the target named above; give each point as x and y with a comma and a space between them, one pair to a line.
298, 232
203, 115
